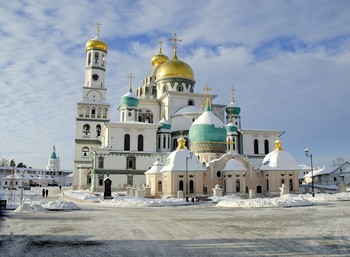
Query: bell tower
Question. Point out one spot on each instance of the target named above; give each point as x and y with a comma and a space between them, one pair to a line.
92, 111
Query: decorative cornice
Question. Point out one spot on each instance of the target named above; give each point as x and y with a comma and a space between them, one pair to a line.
92, 119
88, 141
83, 162
118, 172
95, 68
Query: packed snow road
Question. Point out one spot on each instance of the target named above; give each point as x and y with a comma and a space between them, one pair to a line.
198, 230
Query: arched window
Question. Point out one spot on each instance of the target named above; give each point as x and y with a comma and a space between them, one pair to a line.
266, 144
98, 130
93, 112
187, 143
238, 186
256, 146
179, 88
103, 60
191, 89
96, 58
191, 102
258, 189
131, 162
140, 143
159, 141
191, 186
85, 152
282, 181
89, 59
100, 180
218, 174
174, 144
291, 184
86, 131
267, 185
160, 186
164, 141
181, 185
100, 162
126, 142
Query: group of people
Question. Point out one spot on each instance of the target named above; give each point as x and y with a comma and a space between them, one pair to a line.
45, 192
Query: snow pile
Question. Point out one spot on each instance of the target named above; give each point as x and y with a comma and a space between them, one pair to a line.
31, 207
60, 205
319, 197
39, 206
82, 195
126, 201
217, 199
278, 202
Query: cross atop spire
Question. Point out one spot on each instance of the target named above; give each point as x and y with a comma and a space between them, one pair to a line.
98, 28
175, 40
207, 90
232, 90
130, 77
160, 46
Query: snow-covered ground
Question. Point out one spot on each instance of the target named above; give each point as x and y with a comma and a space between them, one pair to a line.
64, 200
98, 229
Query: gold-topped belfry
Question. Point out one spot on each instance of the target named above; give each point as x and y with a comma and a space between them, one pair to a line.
96, 42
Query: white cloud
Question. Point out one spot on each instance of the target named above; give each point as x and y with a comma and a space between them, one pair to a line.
288, 61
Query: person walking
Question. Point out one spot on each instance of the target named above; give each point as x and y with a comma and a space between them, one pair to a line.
43, 192
47, 192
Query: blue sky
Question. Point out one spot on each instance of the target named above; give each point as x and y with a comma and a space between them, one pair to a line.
288, 61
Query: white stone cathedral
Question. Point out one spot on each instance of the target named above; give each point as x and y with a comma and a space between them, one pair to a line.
171, 138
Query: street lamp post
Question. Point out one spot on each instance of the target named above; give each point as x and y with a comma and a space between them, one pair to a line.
22, 175
312, 171
187, 157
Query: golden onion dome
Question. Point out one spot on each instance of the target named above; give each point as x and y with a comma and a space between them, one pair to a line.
159, 59
96, 43
175, 68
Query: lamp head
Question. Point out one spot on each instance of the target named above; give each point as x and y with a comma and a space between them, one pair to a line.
306, 151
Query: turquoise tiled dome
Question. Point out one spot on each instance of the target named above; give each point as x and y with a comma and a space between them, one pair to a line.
207, 128
129, 100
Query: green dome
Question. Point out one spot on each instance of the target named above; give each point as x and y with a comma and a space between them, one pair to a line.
129, 100
164, 124
207, 128
53, 155
231, 109
230, 127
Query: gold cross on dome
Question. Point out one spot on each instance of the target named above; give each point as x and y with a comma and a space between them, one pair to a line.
207, 89
130, 77
160, 46
175, 40
98, 28
232, 89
